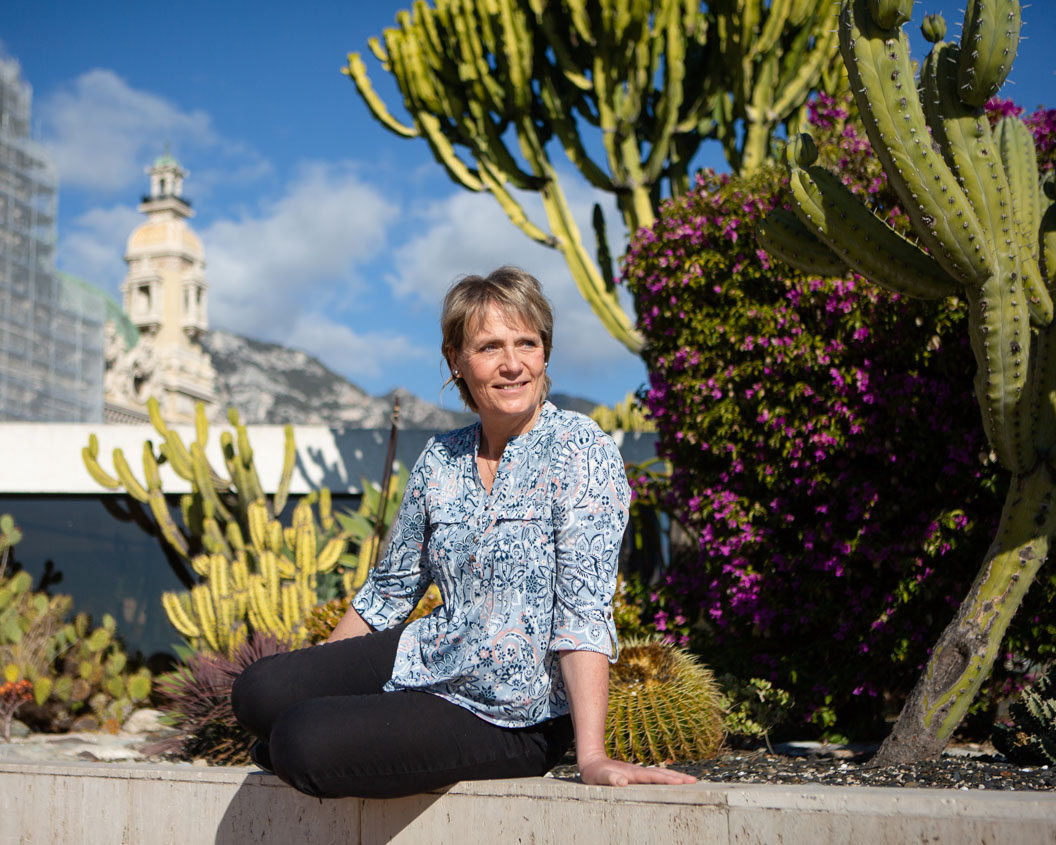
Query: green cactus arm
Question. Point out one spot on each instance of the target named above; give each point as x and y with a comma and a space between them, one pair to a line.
782, 235
356, 70
203, 482
90, 456
289, 458
169, 530
889, 14
493, 181
150, 467
1019, 157
1047, 244
963, 134
989, 40
201, 424
807, 74
560, 113
766, 39
124, 472
881, 76
866, 243
1015, 144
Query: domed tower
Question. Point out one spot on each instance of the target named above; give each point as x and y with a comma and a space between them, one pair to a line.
165, 297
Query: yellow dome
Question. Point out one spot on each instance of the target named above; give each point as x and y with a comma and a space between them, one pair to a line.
171, 234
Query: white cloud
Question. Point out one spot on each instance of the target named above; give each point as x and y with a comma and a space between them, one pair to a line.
355, 356
294, 255
94, 247
102, 132
469, 233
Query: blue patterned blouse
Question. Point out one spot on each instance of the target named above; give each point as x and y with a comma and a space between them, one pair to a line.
524, 572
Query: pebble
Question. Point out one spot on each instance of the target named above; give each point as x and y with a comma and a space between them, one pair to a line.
123, 746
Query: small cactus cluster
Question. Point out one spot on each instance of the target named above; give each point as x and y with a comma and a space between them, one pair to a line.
664, 706
1031, 736
981, 231
255, 574
71, 669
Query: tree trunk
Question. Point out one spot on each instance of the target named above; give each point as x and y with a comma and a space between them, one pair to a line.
965, 653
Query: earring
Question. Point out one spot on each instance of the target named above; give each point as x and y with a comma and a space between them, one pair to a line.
456, 374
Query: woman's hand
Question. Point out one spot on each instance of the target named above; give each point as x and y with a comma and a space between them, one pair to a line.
586, 676
604, 771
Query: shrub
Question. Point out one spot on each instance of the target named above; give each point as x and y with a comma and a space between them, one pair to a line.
196, 698
826, 450
74, 671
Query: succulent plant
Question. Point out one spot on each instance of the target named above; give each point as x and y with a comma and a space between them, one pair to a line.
664, 705
196, 699
972, 198
1030, 738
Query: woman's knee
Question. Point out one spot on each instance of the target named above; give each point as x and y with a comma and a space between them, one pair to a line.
249, 691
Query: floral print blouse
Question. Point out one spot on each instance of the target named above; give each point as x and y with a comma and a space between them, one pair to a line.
525, 572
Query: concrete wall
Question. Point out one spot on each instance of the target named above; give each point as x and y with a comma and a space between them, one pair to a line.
146, 804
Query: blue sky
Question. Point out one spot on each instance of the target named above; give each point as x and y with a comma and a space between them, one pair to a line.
322, 230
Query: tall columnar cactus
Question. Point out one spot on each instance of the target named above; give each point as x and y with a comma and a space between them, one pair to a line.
255, 574
972, 198
654, 78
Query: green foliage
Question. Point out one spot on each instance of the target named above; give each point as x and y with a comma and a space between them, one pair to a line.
489, 85
664, 706
72, 669
1030, 738
753, 708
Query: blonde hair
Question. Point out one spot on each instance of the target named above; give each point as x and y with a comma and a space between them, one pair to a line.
521, 299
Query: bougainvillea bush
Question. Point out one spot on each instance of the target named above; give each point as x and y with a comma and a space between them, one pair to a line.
828, 458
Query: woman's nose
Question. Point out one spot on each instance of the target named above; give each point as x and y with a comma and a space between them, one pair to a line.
510, 361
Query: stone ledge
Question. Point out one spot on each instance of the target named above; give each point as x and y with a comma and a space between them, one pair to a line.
101, 803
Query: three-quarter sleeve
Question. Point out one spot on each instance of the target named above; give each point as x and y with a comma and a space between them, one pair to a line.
399, 580
591, 496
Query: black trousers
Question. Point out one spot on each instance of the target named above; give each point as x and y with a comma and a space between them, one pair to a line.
331, 732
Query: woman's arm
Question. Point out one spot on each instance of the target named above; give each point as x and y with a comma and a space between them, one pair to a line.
586, 675
350, 625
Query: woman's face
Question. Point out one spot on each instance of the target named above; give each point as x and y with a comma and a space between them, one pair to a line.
503, 366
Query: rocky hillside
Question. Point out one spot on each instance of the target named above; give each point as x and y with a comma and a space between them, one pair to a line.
269, 383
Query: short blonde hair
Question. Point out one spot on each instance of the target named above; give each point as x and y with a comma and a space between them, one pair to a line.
517, 293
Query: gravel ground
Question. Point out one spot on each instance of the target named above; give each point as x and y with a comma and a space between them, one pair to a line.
960, 768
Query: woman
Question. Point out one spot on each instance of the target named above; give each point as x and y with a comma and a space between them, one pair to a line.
518, 520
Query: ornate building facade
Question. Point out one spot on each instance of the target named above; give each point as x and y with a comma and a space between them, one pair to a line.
165, 296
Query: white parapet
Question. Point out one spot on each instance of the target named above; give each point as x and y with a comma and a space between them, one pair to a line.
146, 804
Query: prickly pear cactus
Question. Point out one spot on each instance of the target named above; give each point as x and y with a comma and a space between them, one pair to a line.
982, 233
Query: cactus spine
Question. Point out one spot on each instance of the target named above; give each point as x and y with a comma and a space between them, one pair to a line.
253, 573
656, 79
975, 206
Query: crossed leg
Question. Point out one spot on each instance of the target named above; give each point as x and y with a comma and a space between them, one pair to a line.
331, 732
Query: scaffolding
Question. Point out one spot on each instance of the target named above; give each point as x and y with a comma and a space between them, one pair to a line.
51, 326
